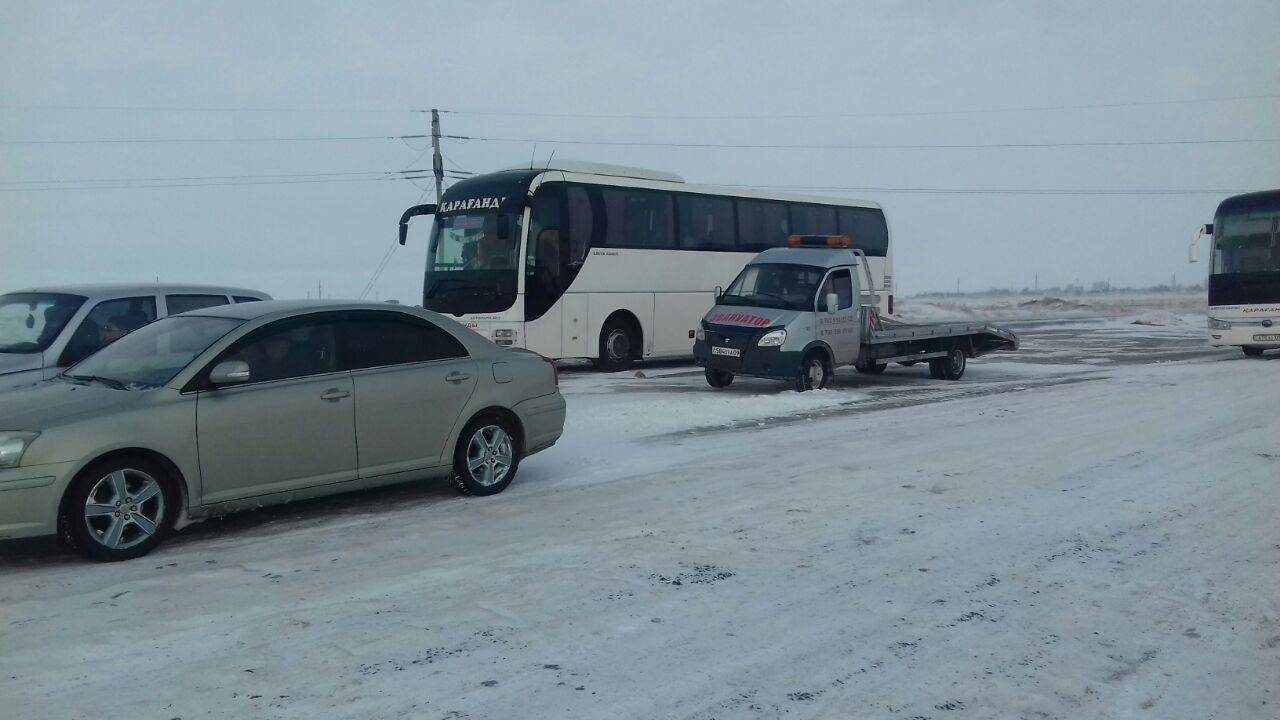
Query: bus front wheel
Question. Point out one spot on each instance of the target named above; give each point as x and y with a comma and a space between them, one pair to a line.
618, 345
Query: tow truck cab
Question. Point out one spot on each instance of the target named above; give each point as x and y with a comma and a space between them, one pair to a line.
785, 303
801, 311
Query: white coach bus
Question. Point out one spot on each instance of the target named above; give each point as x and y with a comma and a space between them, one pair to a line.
614, 264
1244, 277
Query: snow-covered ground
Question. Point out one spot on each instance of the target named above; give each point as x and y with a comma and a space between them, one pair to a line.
1084, 529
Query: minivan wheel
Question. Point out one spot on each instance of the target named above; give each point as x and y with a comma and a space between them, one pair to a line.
718, 378
487, 456
1252, 350
815, 372
119, 509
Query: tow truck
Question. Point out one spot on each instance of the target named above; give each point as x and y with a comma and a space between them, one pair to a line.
796, 313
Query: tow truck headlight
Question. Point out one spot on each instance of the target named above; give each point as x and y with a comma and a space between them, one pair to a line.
12, 446
773, 338
1216, 324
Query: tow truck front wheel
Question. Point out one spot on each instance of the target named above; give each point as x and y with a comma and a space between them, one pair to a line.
719, 378
949, 367
815, 372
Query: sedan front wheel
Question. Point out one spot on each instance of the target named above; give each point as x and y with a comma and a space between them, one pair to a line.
119, 509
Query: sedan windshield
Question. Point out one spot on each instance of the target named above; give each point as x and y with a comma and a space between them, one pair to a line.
775, 285
29, 322
152, 355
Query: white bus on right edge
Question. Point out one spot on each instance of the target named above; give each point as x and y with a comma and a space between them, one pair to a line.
1244, 275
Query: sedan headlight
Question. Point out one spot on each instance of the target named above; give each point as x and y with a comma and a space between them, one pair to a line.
1216, 324
12, 446
773, 339
700, 334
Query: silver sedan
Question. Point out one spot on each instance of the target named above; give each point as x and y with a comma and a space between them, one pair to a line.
243, 406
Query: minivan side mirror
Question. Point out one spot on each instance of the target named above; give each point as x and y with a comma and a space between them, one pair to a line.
833, 302
230, 372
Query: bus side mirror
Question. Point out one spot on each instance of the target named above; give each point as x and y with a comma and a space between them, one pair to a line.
416, 210
833, 302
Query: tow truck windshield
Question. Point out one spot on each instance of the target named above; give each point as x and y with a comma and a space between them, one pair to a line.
776, 285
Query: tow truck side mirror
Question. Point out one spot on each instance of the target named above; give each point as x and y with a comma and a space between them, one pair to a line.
833, 302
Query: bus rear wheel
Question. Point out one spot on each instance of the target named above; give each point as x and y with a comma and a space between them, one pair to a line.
618, 345
1252, 351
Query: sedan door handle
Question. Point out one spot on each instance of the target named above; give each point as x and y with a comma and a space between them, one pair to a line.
334, 395
457, 377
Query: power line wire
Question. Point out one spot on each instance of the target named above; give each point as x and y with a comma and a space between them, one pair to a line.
893, 146
201, 184
867, 114
197, 178
92, 141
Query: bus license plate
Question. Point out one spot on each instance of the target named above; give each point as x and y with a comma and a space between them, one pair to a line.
726, 351
1266, 338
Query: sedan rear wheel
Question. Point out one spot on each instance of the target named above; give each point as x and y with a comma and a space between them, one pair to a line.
487, 456
119, 510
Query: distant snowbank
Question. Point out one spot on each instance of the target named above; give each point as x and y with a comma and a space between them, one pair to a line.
1041, 307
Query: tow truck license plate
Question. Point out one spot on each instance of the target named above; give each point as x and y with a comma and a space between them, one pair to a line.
727, 352
1266, 338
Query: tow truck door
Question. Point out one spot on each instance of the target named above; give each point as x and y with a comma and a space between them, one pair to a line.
840, 328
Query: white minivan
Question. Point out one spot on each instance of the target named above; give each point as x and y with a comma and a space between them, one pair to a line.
46, 330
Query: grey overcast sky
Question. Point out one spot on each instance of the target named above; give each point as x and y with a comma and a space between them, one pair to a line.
144, 70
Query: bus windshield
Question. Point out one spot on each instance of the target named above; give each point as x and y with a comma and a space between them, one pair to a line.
1247, 241
775, 285
472, 263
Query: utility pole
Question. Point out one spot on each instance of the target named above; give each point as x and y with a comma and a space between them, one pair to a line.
437, 162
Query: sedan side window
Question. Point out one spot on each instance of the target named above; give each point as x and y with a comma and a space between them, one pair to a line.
289, 349
374, 341
107, 322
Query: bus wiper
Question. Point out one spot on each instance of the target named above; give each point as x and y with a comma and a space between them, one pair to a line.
109, 382
464, 283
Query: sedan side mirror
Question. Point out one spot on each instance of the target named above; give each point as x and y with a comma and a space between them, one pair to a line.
719, 293
230, 372
833, 302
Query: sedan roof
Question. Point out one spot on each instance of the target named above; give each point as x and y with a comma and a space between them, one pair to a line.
255, 310
98, 290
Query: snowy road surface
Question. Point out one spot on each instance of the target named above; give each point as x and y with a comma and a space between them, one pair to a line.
1087, 529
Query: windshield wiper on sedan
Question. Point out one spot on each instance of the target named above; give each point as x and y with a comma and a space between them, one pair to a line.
109, 382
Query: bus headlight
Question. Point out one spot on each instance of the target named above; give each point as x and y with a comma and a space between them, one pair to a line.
1216, 324
773, 339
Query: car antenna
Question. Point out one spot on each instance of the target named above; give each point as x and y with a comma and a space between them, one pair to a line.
549, 157
533, 155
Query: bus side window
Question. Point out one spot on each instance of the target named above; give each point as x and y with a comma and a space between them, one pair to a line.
866, 228
705, 222
761, 225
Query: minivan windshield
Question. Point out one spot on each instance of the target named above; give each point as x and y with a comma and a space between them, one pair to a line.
30, 322
775, 285
153, 354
